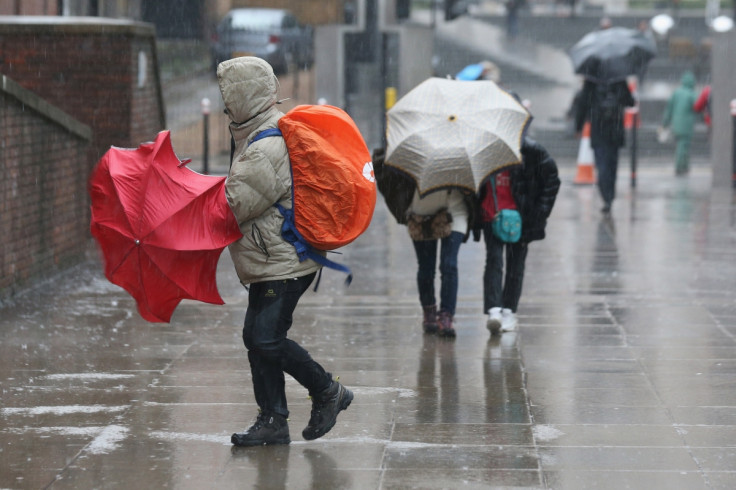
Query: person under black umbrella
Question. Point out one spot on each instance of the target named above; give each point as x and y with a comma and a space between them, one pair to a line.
603, 103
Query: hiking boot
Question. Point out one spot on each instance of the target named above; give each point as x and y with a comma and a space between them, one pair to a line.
445, 325
325, 407
429, 324
495, 319
267, 429
508, 320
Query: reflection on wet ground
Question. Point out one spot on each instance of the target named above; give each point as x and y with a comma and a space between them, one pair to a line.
621, 375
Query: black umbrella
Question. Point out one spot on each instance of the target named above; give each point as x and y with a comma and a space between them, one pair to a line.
612, 54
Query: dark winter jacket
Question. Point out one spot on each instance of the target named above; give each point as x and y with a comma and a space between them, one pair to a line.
398, 190
603, 104
534, 186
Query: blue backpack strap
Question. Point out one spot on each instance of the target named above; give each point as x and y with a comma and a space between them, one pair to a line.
303, 250
265, 134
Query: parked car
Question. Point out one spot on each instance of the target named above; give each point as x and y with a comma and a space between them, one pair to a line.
272, 34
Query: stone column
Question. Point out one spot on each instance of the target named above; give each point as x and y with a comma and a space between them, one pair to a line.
723, 90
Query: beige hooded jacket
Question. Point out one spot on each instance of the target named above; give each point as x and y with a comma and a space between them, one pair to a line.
260, 175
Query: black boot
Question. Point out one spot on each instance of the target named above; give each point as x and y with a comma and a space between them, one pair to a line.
325, 407
267, 429
429, 323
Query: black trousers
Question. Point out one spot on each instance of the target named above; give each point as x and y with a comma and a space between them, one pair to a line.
500, 291
606, 164
268, 318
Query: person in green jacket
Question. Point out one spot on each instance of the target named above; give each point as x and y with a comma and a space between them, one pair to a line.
680, 117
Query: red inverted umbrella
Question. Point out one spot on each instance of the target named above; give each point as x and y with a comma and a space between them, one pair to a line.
160, 225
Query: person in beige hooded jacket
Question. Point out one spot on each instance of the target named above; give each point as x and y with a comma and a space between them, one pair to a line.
260, 177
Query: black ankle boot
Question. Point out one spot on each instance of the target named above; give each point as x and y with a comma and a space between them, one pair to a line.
325, 407
267, 429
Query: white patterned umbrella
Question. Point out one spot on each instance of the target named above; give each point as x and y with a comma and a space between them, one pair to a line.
452, 133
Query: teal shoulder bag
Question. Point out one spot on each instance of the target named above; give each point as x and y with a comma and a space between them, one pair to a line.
506, 224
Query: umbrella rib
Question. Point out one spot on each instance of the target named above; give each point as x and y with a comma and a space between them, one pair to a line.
145, 296
146, 181
192, 200
179, 211
122, 261
185, 288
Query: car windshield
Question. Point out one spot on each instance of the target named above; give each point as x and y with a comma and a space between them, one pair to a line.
256, 19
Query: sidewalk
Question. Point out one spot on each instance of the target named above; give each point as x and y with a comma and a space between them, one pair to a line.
622, 374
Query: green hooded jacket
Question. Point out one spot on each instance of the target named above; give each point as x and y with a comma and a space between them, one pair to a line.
679, 114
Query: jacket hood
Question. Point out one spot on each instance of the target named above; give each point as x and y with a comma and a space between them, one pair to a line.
688, 79
248, 87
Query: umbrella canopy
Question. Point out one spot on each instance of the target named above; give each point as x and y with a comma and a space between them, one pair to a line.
488, 70
612, 54
454, 134
470, 72
161, 226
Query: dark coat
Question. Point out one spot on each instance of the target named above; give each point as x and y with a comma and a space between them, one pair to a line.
398, 191
534, 186
606, 126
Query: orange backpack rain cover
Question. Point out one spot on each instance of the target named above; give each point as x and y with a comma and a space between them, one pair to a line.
332, 172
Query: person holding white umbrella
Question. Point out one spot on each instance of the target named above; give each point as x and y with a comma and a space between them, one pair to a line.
456, 205
439, 222
444, 138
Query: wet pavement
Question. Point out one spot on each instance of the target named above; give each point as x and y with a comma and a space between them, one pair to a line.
621, 375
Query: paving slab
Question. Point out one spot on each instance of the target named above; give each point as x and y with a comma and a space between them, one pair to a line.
621, 373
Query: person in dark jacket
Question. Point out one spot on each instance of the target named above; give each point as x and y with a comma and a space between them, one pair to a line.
531, 188
401, 196
603, 103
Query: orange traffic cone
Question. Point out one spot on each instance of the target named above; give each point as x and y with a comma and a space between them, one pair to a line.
585, 173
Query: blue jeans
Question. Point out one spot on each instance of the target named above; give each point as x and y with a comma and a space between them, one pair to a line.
606, 164
426, 251
268, 318
499, 291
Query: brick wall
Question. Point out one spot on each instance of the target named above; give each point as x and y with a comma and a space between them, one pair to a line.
29, 7
44, 212
105, 8
89, 68
101, 73
313, 12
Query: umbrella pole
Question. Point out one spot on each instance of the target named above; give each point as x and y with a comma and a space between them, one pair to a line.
635, 123
205, 135
733, 139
